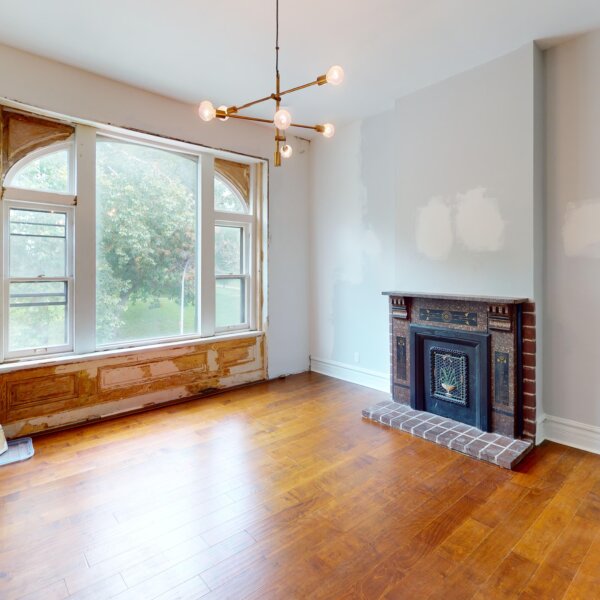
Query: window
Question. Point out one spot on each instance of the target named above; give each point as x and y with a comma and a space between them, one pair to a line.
39, 282
45, 170
232, 264
227, 199
131, 260
38, 254
146, 207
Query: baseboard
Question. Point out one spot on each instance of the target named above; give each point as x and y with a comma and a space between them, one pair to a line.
539, 430
571, 433
371, 379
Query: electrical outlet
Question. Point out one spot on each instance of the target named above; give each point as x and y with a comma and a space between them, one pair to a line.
356, 357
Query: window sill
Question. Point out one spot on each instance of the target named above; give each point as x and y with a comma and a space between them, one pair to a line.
22, 364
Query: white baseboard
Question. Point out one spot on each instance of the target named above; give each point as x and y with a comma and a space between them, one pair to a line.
570, 433
372, 379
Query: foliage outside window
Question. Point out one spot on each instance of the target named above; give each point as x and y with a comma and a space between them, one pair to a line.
148, 267
47, 173
39, 282
146, 201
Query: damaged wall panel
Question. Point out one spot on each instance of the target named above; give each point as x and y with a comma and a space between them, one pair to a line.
40, 398
21, 134
237, 174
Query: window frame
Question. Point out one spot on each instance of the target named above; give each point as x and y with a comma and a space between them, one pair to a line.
80, 203
246, 221
246, 266
7, 280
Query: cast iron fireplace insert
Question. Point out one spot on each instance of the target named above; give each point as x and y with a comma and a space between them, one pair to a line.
450, 374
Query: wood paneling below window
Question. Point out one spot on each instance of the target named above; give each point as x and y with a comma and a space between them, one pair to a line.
71, 391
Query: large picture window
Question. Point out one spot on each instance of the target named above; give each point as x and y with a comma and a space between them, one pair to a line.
146, 201
143, 219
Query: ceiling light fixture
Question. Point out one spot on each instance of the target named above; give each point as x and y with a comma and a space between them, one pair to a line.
282, 118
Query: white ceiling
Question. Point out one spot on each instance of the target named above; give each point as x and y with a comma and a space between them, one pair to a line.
196, 49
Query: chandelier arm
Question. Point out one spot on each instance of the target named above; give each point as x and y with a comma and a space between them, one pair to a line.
248, 104
245, 118
319, 81
270, 121
315, 127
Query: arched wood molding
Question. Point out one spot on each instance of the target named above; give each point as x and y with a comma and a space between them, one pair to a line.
237, 174
21, 134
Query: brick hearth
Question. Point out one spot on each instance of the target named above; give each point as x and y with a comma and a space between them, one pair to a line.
494, 448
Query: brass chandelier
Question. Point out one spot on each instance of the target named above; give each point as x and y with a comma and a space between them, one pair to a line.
282, 118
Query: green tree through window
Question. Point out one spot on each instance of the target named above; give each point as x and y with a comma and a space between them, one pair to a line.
146, 245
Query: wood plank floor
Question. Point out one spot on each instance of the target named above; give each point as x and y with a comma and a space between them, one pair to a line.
281, 490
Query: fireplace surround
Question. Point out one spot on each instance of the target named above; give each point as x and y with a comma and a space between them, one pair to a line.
463, 373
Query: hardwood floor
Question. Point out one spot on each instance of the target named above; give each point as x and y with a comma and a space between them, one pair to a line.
281, 490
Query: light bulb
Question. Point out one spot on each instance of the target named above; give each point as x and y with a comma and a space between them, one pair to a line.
328, 130
206, 110
224, 109
282, 119
286, 151
335, 75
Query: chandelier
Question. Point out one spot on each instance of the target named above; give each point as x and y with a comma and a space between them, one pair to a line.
282, 118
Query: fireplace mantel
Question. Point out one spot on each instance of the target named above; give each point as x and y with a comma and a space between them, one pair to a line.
510, 324
461, 298
463, 373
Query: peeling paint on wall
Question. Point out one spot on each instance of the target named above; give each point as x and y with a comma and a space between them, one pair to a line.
43, 397
581, 229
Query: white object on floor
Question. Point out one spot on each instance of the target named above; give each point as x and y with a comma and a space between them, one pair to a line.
18, 450
3, 444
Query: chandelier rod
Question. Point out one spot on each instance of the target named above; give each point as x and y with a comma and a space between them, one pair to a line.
321, 80
277, 38
259, 120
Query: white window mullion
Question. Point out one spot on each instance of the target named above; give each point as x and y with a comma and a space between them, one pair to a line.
85, 241
4, 265
206, 273
33, 196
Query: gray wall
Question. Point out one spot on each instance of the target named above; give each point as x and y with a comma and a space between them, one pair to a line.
572, 315
465, 180
352, 248
437, 195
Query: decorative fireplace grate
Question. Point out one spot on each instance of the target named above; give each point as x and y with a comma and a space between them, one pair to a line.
449, 375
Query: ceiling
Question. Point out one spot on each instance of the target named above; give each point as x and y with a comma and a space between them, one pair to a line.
223, 51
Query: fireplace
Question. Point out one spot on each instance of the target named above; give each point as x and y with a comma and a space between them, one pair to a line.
450, 374
463, 373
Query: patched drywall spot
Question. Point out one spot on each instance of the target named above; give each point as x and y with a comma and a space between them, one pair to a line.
581, 230
435, 237
479, 223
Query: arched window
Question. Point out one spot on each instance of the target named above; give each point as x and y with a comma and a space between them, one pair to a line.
44, 170
227, 198
38, 278
233, 249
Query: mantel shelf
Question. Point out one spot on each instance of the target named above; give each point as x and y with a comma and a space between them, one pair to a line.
483, 299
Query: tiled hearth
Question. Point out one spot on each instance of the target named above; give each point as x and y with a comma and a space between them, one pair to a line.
491, 447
